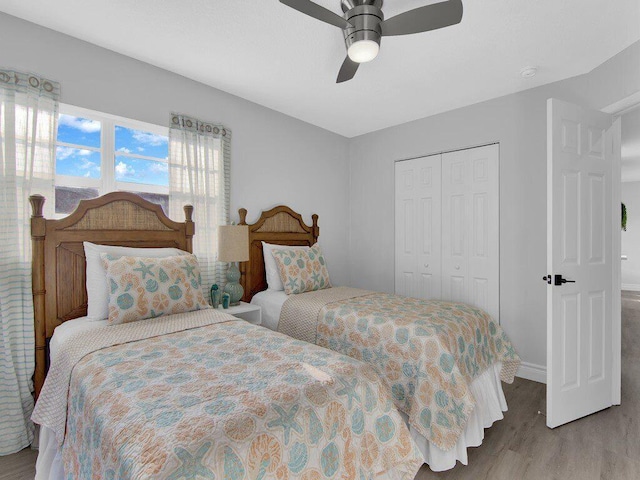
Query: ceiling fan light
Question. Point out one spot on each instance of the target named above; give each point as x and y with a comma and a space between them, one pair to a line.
363, 51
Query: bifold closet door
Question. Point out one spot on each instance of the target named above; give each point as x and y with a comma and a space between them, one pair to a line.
417, 236
470, 228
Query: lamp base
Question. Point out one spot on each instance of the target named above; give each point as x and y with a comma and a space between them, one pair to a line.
233, 288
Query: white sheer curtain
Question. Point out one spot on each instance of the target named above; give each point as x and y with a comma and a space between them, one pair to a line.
199, 164
28, 122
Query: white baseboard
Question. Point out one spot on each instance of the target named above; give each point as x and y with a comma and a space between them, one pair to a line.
633, 287
531, 371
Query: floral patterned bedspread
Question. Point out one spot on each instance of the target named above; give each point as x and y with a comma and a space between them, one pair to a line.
428, 353
231, 401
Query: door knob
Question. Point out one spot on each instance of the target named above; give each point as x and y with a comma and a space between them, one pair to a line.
426, 265
457, 267
558, 280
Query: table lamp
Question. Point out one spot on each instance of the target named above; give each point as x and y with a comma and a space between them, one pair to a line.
233, 247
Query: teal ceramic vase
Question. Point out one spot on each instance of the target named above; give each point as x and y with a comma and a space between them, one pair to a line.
225, 300
215, 295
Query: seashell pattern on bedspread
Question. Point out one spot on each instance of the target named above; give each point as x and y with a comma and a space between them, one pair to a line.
231, 400
427, 352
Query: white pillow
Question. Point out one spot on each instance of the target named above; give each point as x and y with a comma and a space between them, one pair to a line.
271, 267
96, 282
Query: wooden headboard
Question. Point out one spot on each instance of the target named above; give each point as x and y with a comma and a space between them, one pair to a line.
281, 226
58, 269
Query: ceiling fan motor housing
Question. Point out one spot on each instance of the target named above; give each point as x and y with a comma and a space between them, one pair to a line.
366, 17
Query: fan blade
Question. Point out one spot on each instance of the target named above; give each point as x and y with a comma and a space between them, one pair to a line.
424, 19
348, 70
316, 11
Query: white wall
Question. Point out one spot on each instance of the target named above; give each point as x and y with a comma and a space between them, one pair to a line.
276, 159
518, 122
631, 238
631, 145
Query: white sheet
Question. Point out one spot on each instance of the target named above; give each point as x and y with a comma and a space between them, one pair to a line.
68, 328
49, 462
486, 389
270, 301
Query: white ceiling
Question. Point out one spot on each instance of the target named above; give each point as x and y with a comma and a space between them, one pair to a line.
270, 54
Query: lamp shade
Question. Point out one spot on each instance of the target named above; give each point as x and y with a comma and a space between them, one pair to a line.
233, 243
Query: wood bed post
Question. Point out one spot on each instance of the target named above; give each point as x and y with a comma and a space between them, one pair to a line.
190, 227
316, 229
243, 265
38, 233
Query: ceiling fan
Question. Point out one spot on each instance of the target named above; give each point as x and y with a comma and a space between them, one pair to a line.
364, 25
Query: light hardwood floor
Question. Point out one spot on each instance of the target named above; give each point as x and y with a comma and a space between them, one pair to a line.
604, 446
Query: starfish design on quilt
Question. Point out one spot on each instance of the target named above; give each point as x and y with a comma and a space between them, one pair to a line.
121, 379
456, 410
510, 352
286, 420
189, 269
191, 466
316, 277
344, 345
438, 329
349, 389
145, 270
381, 357
149, 408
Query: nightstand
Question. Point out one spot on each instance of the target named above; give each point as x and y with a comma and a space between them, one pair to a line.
247, 312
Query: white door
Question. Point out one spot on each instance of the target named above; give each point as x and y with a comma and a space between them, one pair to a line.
470, 228
417, 233
580, 233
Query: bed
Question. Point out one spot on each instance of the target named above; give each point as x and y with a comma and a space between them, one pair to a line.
193, 394
442, 362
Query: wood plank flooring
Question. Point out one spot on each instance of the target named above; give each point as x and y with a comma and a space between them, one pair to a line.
603, 446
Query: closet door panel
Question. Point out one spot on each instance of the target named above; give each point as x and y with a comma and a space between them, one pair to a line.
418, 216
455, 220
470, 227
484, 239
405, 179
429, 225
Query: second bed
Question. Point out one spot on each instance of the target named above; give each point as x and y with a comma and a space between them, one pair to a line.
442, 362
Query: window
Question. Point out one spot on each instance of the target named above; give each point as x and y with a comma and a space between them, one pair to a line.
97, 153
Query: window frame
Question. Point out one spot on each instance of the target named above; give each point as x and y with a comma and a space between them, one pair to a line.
107, 181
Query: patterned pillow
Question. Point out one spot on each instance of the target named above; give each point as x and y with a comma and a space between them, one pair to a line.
143, 287
302, 270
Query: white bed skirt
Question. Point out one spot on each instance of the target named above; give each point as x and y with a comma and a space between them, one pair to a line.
490, 405
49, 462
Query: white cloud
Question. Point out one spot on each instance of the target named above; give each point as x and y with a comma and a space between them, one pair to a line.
149, 138
124, 150
82, 124
140, 149
123, 170
159, 168
62, 153
88, 165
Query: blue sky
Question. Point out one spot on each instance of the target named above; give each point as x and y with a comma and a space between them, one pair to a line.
85, 162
